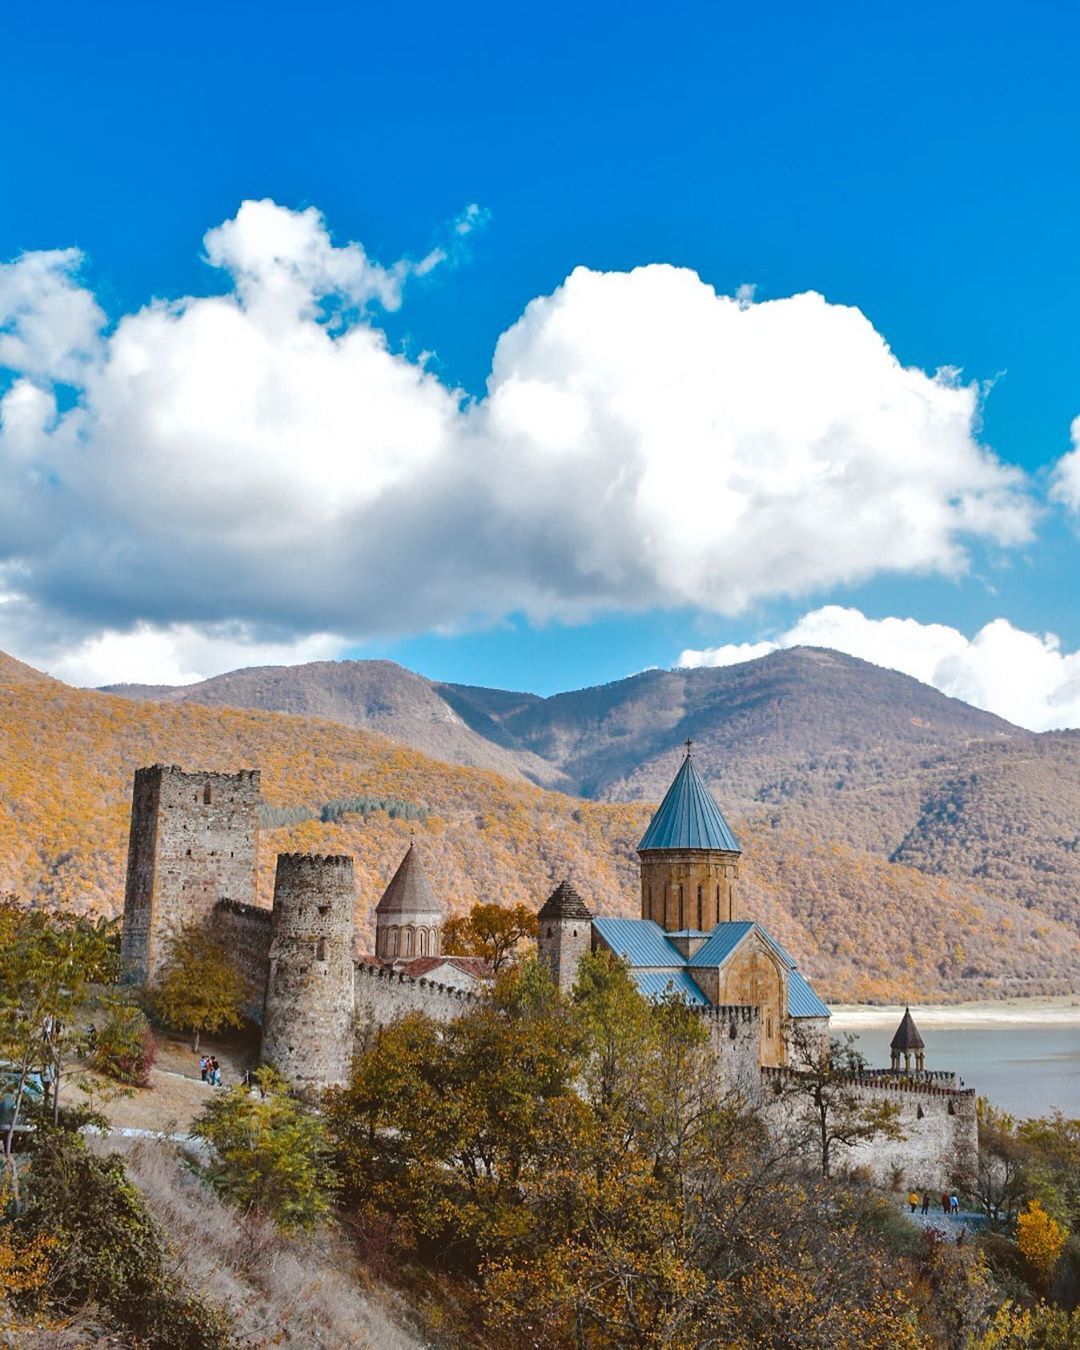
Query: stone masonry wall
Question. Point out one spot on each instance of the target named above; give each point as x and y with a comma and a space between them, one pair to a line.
940, 1128
735, 1040
243, 931
308, 1018
382, 996
192, 843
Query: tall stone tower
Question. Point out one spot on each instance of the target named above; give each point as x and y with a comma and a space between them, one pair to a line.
308, 1014
564, 934
193, 842
408, 918
689, 858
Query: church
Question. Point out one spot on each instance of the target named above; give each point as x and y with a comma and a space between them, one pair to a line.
690, 940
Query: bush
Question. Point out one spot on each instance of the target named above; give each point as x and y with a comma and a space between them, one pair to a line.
107, 1250
125, 1048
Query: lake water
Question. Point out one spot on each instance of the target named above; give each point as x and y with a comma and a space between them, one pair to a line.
1027, 1070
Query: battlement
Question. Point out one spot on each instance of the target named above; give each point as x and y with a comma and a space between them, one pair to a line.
237, 907
883, 1080
314, 861
728, 1012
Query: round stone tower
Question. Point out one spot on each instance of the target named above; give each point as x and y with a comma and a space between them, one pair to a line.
308, 1014
689, 858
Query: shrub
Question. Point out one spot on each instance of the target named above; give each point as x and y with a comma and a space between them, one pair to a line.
125, 1048
107, 1250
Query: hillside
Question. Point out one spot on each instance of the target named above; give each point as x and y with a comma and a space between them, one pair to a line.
805, 741
864, 928
372, 695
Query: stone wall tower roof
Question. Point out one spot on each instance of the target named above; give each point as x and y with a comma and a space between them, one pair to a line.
688, 817
907, 1034
565, 903
409, 891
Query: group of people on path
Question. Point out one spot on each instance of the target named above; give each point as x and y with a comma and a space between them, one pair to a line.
210, 1070
950, 1202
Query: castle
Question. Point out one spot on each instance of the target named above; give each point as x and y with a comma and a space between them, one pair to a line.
192, 860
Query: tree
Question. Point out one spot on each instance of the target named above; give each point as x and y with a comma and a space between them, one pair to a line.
1000, 1180
491, 931
199, 988
269, 1154
1041, 1240
821, 1086
47, 963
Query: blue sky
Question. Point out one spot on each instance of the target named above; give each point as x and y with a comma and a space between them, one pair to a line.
916, 163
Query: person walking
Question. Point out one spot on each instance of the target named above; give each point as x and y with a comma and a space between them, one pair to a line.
913, 1201
926, 1203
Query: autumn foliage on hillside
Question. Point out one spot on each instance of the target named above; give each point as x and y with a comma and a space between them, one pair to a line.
861, 927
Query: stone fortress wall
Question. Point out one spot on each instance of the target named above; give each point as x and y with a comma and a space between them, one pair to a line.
938, 1121
382, 996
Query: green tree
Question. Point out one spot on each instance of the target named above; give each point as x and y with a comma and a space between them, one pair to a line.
198, 987
492, 931
269, 1154
47, 964
821, 1087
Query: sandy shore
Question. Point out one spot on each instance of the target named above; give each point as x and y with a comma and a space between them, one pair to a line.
1017, 1012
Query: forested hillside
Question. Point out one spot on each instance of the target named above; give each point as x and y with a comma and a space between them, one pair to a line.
862, 927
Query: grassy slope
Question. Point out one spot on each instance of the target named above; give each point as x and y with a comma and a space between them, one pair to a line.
862, 927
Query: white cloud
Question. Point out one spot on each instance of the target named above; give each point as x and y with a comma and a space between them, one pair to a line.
1024, 677
181, 654
1065, 482
263, 458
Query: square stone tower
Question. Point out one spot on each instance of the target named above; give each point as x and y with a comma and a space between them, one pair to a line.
193, 842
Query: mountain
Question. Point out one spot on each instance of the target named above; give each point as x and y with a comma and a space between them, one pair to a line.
812, 742
863, 927
374, 695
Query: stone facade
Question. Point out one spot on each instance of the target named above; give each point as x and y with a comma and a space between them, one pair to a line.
691, 888
192, 843
308, 1016
940, 1130
244, 932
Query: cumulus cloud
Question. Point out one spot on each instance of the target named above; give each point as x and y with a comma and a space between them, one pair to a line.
1024, 677
1065, 482
263, 458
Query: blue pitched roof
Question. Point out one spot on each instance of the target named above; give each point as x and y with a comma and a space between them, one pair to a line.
722, 942
640, 942
802, 1001
689, 817
655, 984
655, 963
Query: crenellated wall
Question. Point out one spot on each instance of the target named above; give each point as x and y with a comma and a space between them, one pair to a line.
735, 1040
941, 1134
382, 996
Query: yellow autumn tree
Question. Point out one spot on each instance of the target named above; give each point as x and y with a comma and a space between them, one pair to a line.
1041, 1239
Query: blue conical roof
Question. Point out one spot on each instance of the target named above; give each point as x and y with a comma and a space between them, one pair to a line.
689, 816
